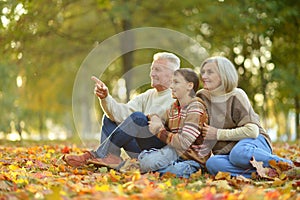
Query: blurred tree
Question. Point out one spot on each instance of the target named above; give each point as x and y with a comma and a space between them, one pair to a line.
245, 32
47, 41
8, 96
44, 43
286, 75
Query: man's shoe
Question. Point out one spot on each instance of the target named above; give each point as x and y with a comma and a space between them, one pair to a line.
110, 161
78, 160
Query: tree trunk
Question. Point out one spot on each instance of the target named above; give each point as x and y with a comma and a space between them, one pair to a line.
127, 45
297, 113
264, 112
41, 125
19, 129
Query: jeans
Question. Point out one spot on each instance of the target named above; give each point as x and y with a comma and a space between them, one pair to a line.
166, 160
238, 161
155, 159
132, 135
181, 168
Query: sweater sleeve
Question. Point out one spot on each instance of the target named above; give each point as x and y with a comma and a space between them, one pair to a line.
118, 112
190, 131
249, 130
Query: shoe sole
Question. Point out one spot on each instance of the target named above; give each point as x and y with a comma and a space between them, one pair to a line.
113, 166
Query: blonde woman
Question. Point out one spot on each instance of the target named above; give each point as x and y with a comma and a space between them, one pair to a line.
234, 125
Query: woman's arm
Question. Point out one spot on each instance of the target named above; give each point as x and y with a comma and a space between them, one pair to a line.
249, 130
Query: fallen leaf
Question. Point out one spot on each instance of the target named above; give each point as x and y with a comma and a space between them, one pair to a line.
262, 172
223, 175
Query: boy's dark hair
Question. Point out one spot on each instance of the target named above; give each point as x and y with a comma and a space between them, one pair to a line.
190, 76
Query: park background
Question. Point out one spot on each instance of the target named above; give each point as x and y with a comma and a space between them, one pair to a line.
43, 44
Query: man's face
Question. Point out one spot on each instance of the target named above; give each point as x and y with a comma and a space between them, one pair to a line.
161, 75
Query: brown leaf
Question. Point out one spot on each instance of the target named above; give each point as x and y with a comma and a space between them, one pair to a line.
293, 173
279, 166
4, 186
262, 172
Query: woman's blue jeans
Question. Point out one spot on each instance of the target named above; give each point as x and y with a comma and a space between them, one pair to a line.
132, 135
238, 161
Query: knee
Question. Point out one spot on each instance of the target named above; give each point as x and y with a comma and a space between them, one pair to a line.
139, 118
106, 120
241, 156
212, 165
149, 162
107, 126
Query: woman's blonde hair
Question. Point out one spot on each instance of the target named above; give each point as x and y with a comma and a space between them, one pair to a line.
227, 71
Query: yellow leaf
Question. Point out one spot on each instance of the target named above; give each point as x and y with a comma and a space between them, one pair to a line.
136, 176
55, 193
165, 185
29, 163
51, 151
168, 183
114, 176
223, 175
13, 167
48, 155
103, 188
278, 182
21, 181
222, 185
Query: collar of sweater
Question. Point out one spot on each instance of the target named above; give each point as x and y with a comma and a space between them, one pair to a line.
160, 93
219, 94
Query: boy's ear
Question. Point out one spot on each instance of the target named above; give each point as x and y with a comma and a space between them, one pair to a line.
190, 85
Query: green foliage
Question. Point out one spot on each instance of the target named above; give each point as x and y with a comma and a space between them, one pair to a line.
45, 43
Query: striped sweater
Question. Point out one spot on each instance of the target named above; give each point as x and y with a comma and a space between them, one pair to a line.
183, 127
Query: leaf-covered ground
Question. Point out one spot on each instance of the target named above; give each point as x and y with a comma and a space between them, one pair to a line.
37, 172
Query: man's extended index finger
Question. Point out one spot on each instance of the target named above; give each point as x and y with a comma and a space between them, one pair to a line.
94, 78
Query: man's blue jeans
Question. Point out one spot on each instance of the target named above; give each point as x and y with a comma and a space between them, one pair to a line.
132, 134
238, 161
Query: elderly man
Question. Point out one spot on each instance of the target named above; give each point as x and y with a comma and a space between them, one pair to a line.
126, 125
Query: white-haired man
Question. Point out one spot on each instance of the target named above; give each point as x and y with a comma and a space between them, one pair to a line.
126, 125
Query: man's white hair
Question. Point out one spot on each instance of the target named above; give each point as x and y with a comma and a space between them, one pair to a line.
172, 59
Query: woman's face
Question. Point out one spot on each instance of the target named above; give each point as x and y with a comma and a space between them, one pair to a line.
180, 87
210, 76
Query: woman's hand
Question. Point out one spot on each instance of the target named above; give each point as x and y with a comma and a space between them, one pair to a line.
209, 132
155, 124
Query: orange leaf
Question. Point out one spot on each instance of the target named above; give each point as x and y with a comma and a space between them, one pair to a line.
65, 150
223, 175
